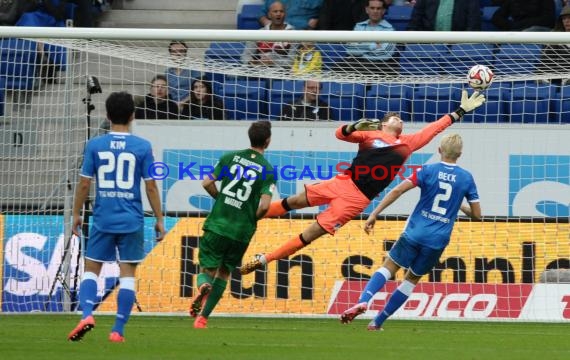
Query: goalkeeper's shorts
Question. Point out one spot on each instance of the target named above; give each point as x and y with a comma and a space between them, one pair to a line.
345, 202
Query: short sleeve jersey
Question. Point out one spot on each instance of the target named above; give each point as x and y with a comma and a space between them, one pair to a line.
117, 162
244, 175
443, 188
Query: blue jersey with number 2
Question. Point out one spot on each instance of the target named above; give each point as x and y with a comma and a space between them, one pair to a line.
443, 188
117, 162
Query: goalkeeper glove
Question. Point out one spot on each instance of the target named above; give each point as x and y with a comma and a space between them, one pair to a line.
364, 125
469, 103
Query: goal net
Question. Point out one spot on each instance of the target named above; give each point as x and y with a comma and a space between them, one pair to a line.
513, 265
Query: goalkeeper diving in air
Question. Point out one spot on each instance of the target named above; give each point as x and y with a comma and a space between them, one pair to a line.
381, 145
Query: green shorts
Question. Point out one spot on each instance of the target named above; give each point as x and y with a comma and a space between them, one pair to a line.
217, 251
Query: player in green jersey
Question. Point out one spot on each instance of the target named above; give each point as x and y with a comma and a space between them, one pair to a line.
247, 181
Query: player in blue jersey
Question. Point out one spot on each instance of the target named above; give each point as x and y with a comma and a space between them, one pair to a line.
117, 162
443, 187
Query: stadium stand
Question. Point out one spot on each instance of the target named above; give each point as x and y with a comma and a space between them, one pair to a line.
247, 18
383, 98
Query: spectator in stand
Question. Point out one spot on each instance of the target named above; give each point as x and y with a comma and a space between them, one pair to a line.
157, 105
301, 14
179, 77
271, 53
203, 104
308, 60
555, 58
373, 57
524, 15
446, 15
308, 107
11, 11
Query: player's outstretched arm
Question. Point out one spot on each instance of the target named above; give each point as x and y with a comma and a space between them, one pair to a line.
468, 103
154, 200
387, 201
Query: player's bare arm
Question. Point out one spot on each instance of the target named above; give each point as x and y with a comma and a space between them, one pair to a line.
154, 200
473, 210
264, 203
81, 194
392, 196
209, 184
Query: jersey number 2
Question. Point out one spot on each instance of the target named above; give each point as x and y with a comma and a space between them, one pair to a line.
446, 187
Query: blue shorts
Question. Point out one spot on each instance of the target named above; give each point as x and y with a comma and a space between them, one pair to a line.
418, 258
108, 247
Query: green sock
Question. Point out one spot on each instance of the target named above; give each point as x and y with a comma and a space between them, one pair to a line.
218, 288
203, 278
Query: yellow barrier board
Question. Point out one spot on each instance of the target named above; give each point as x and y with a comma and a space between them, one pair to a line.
481, 252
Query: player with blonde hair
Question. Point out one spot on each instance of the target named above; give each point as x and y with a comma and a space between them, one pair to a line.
443, 186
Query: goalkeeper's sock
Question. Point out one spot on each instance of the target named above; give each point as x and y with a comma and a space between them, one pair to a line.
277, 208
88, 293
375, 283
397, 299
125, 301
218, 288
203, 278
289, 248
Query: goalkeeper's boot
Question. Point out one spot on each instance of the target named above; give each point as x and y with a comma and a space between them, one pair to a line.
200, 299
201, 322
84, 326
251, 266
373, 327
116, 337
349, 314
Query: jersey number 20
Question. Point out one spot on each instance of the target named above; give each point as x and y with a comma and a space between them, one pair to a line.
117, 165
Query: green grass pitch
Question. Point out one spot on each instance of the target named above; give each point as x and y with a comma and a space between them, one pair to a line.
149, 337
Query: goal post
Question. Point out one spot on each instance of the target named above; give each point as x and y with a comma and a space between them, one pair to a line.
510, 266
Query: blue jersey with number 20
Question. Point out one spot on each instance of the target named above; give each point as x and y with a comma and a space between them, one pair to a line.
443, 188
117, 162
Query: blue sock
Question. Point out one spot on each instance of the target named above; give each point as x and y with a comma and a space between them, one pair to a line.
125, 301
398, 298
88, 293
374, 285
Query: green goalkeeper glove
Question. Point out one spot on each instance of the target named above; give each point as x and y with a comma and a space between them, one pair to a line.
469, 103
364, 125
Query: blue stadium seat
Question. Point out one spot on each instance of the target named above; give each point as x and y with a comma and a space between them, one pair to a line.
431, 101
561, 106
247, 18
383, 98
530, 102
283, 92
464, 56
517, 58
332, 54
424, 59
2, 95
399, 16
227, 52
345, 100
495, 108
244, 99
18, 61
486, 16
485, 3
